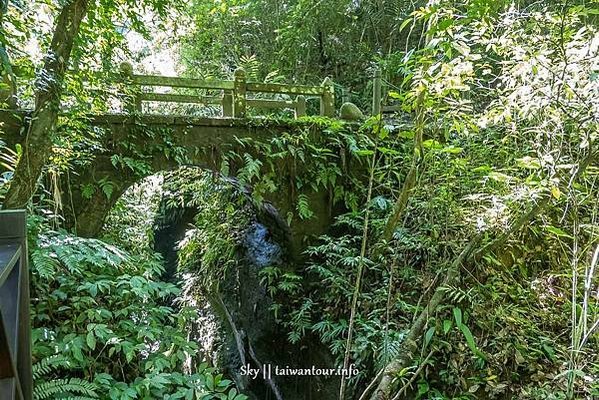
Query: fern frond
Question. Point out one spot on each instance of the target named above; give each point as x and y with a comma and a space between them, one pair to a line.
49, 364
389, 351
64, 388
44, 264
303, 207
77, 398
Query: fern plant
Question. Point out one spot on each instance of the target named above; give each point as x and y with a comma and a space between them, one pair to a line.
101, 329
48, 387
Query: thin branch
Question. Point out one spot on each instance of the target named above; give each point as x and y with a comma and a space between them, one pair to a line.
413, 377
360, 272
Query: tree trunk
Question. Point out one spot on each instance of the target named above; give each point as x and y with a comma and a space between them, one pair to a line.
38, 142
410, 344
410, 181
8, 93
7, 78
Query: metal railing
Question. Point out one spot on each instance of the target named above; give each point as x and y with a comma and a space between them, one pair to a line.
15, 330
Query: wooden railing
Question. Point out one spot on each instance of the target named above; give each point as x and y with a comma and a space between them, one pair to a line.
235, 96
15, 331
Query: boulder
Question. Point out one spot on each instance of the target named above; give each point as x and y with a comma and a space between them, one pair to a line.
351, 112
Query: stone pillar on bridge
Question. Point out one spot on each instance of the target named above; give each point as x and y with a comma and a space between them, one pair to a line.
131, 101
345, 95
239, 93
300, 106
327, 102
227, 104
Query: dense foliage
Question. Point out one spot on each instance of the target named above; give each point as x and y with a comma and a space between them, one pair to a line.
99, 313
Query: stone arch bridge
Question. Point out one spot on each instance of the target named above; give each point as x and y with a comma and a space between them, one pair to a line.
135, 144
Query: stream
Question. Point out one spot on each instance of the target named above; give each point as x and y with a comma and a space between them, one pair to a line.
235, 327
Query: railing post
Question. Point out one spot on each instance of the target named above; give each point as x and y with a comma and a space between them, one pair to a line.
132, 101
327, 101
239, 94
13, 233
345, 96
228, 104
300, 106
377, 85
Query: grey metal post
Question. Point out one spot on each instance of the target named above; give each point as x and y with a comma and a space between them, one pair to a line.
13, 235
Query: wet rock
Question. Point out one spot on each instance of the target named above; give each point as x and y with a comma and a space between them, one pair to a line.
262, 251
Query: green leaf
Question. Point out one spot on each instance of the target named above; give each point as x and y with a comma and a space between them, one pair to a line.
405, 23
406, 134
470, 341
432, 144
423, 388
90, 339
499, 177
558, 232
77, 353
210, 382
485, 169
386, 150
429, 335
461, 47
457, 314
88, 191
528, 162
452, 150
549, 351
447, 324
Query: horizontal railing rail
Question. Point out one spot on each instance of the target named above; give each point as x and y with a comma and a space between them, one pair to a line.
178, 82
234, 98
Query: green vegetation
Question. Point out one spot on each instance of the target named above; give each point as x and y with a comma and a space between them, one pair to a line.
101, 310
448, 248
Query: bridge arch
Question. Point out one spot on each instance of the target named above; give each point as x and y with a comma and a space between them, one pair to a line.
302, 166
298, 166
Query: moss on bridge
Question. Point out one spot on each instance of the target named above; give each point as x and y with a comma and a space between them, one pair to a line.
304, 166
